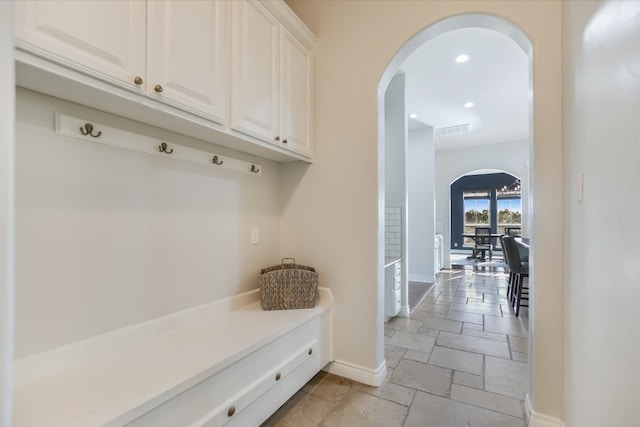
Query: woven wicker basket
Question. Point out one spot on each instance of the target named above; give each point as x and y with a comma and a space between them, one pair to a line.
288, 286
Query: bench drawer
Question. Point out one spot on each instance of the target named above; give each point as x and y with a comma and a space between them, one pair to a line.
249, 390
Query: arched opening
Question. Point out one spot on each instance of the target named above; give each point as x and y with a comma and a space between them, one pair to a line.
450, 24
484, 198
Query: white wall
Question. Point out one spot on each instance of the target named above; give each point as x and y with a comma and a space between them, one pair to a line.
512, 157
339, 194
396, 143
395, 172
421, 201
7, 101
107, 237
602, 106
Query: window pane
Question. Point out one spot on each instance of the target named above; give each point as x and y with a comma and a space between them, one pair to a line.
509, 213
476, 212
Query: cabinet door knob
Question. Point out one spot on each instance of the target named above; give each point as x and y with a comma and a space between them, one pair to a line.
231, 411
158, 88
277, 138
278, 376
284, 141
138, 80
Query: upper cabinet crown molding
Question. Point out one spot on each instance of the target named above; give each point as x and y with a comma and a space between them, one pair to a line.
292, 22
167, 64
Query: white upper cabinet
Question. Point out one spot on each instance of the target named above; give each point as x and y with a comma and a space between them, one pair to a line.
296, 88
237, 73
271, 79
186, 56
255, 45
105, 39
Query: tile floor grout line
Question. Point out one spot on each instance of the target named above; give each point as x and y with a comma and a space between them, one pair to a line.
412, 397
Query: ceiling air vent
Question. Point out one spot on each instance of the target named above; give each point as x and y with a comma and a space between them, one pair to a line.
453, 130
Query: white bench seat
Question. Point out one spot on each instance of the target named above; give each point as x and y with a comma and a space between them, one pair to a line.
192, 368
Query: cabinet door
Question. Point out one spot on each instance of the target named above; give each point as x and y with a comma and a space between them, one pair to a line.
296, 88
104, 39
187, 56
254, 70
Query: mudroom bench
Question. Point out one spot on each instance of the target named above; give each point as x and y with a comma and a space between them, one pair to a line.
224, 363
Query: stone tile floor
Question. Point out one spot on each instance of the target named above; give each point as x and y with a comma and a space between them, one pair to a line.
460, 360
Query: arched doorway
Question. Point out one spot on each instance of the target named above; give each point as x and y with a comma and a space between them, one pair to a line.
450, 24
484, 198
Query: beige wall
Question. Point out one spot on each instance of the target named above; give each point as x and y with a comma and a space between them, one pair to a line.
7, 102
330, 212
602, 104
108, 237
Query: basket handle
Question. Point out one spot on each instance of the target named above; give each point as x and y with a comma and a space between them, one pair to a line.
290, 259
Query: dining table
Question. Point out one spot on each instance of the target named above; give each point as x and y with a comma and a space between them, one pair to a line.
474, 236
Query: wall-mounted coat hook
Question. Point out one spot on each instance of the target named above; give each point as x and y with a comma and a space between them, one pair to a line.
216, 161
163, 148
88, 130
122, 139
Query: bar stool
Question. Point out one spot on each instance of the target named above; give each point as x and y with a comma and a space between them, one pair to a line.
512, 275
518, 261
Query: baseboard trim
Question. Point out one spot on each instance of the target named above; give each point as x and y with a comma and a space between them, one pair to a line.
421, 278
405, 311
358, 373
537, 419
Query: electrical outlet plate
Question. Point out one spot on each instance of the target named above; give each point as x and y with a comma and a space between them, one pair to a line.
255, 236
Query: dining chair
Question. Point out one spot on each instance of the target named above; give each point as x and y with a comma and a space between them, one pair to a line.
513, 231
518, 262
482, 242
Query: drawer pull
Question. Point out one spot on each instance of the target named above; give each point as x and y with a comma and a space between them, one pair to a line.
278, 376
158, 88
231, 411
310, 351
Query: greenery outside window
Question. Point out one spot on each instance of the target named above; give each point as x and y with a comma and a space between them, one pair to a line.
509, 212
476, 211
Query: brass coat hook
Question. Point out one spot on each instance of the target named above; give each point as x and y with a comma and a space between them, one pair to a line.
216, 161
163, 148
254, 169
88, 130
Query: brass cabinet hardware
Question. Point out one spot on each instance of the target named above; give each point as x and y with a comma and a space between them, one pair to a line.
310, 351
284, 141
138, 80
277, 138
254, 169
231, 411
278, 376
88, 130
158, 88
163, 148
217, 161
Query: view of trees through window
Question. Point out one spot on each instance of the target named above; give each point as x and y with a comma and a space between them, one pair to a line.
509, 213
477, 211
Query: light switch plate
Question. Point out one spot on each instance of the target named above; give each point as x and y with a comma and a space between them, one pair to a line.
580, 186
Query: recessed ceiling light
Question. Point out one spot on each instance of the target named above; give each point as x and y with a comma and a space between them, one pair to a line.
468, 105
413, 115
462, 58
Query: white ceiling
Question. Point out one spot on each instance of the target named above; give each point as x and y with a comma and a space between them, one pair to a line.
495, 79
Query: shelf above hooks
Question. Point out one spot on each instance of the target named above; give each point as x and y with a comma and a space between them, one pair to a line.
96, 132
